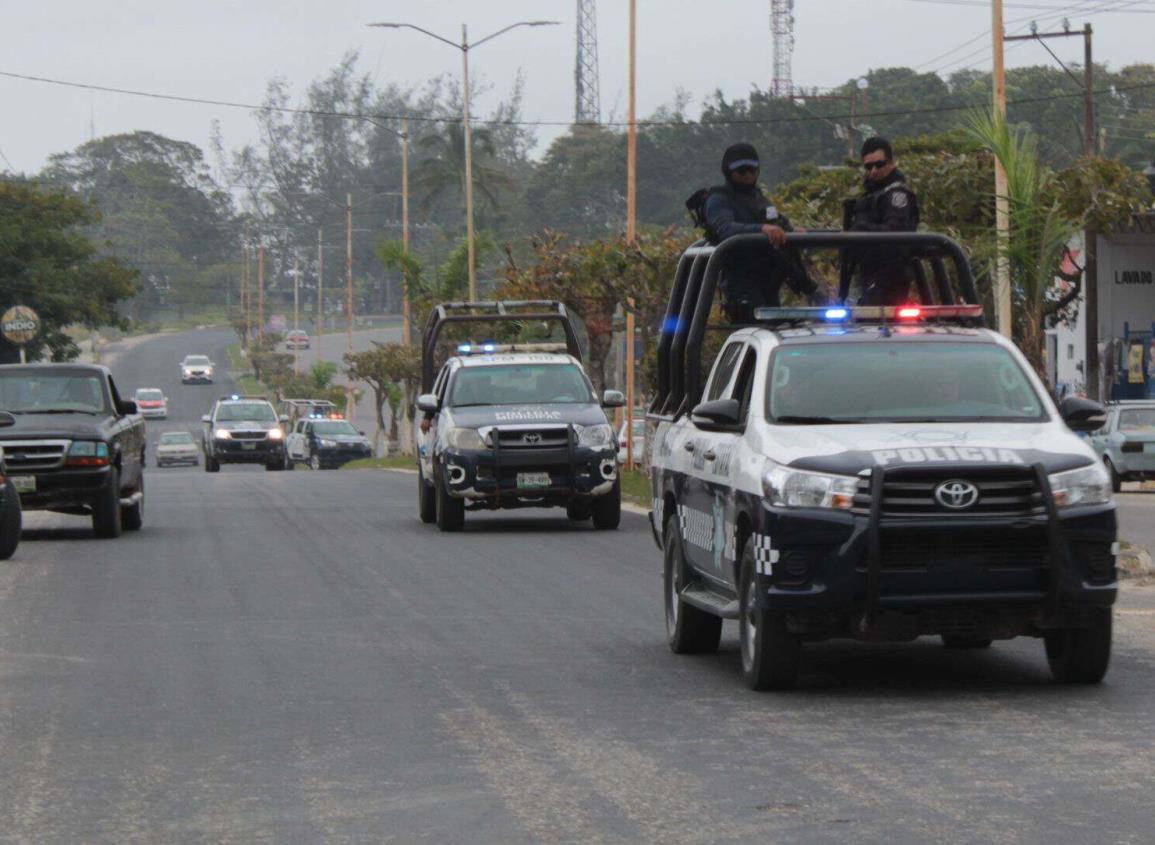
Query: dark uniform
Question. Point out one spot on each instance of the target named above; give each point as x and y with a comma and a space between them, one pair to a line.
751, 278
886, 206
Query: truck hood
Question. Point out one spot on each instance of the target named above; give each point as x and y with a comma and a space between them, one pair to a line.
581, 413
54, 427
850, 449
246, 425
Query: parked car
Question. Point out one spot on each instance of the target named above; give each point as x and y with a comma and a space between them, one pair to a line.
151, 402
1126, 443
297, 339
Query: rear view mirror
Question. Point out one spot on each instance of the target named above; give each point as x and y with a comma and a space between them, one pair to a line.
428, 403
613, 399
206, 419
126, 407
721, 413
1083, 414
283, 418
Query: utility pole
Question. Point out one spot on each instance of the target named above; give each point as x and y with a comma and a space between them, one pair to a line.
246, 272
1003, 315
320, 291
1090, 235
631, 224
405, 339
296, 311
261, 292
349, 298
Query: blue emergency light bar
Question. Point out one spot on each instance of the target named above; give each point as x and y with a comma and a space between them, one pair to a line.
870, 314
488, 348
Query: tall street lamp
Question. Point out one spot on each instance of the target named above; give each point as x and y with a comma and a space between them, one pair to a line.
465, 47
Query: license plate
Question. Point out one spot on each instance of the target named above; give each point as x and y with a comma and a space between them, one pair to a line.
532, 479
249, 446
23, 483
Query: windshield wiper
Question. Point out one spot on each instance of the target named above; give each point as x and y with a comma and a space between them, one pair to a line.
473, 405
798, 420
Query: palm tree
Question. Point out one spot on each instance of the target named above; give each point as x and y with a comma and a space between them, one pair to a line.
441, 171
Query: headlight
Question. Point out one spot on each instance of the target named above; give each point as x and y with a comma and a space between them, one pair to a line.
595, 436
223, 434
1089, 485
328, 444
276, 434
798, 489
464, 438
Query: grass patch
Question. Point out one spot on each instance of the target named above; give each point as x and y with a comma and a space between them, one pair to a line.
247, 383
636, 487
391, 462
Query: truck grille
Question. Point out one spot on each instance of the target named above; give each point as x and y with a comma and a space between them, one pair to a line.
554, 437
249, 435
33, 455
1002, 491
920, 550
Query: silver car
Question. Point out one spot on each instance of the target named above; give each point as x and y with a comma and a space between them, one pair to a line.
1127, 442
177, 447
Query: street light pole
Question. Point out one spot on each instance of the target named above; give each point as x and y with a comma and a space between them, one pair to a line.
320, 291
631, 225
349, 298
296, 311
405, 229
465, 47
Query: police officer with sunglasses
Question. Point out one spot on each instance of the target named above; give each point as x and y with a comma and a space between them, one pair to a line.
887, 204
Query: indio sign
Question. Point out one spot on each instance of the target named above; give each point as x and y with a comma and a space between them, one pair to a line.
20, 325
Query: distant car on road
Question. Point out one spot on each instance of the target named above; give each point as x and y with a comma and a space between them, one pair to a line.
297, 339
1126, 443
176, 448
243, 430
10, 517
75, 446
196, 369
151, 402
326, 444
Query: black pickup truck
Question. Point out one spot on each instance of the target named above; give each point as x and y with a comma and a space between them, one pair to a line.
76, 447
10, 521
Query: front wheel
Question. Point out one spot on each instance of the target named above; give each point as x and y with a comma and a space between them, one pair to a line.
212, 464
106, 511
1081, 655
426, 499
770, 652
607, 508
1116, 479
315, 462
10, 523
132, 516
450, 511
689, 630
276, 464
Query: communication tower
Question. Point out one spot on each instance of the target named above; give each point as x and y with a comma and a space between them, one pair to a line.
782, 30
587, 101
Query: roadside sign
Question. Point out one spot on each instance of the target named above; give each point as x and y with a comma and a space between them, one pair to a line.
20, 324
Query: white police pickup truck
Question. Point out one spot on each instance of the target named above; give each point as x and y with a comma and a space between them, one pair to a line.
880, 474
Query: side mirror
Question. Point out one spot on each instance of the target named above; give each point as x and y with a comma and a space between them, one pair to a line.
6, 419
283, 418
126, 407
719, 414
206, 419
1082, 414
613, 399
428, 403
363, 434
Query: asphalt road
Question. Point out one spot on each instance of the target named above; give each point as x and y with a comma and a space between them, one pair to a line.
295, 657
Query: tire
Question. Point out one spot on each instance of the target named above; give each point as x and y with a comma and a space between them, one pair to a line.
770, 653
450, 511
689, 630
578, 511
132, 517
106, 512
426, 499
607, 509
1116, 479
11, 522
959, 641
212, 464
1081, 655
277, 464
315, 462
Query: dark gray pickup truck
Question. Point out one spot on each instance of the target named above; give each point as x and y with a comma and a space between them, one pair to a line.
75, 447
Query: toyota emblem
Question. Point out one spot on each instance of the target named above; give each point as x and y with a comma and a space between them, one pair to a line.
956, 494
531, 439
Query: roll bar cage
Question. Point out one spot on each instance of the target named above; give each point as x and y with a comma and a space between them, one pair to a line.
489, 312
700, 268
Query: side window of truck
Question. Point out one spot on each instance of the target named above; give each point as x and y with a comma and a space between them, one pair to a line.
723, 370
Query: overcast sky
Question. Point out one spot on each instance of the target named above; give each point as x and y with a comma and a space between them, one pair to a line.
229, 50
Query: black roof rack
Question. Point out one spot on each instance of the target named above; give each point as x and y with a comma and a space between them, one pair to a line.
699, 270
487, 312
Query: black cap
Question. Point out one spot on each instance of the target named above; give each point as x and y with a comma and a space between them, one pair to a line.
739, 155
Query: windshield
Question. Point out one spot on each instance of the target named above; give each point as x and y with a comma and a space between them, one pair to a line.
1139, 419
149, 395
196, 361
246, 412
899, 382
520, 384
173, 438
334, 427
30, 393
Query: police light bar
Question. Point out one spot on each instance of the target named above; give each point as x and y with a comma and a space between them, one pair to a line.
489, 348
869, 313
